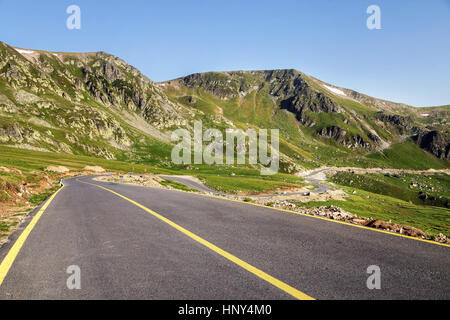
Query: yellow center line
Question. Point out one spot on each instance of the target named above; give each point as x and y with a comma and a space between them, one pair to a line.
315, 217
9, 259
261, 274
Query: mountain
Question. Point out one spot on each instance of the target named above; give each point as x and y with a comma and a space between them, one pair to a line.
89, 103
97, 104
323, 120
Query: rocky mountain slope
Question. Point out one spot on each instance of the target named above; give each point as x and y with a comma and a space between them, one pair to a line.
91, 103
324, 114
97, 104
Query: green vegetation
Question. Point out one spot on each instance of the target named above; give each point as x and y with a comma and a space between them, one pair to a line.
29, 160
36, 199
175, 185
432, 220
9, 182
4, 226
407, 155
419, 189
257, 109
397, 197
248, 181
123, 86
4, 195
244, 179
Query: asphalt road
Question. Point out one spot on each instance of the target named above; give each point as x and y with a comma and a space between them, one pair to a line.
192, 184
321, 188
124, 252
203, 188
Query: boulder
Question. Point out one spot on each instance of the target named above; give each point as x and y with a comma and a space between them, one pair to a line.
441, 238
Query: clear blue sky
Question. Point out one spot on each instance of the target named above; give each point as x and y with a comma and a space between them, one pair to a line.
408, 60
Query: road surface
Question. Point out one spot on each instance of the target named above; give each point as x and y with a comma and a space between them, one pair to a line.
192, 184
321, 188
312, 178
185, 246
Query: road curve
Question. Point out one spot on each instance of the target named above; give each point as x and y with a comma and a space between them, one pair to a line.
124, 252
185, 180
192, 184
321, 188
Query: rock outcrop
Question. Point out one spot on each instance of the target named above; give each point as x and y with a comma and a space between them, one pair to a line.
435, 142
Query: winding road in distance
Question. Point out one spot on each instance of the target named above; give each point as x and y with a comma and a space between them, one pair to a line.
134, 242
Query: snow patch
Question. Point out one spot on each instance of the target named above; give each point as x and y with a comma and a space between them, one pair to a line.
425, 114
335, 90
21, 51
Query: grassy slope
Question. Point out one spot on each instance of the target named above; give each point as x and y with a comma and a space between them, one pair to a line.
242, 182
88, 110
405, 187
255, 110
302, 143
432, 220
28, 161
407, 155
175, 185
221, 178
298, 142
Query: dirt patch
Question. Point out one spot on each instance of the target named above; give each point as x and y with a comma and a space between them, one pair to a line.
95, 169
19, 204
57, 169
11, 170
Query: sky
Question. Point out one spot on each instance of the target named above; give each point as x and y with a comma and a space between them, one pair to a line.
407, 60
